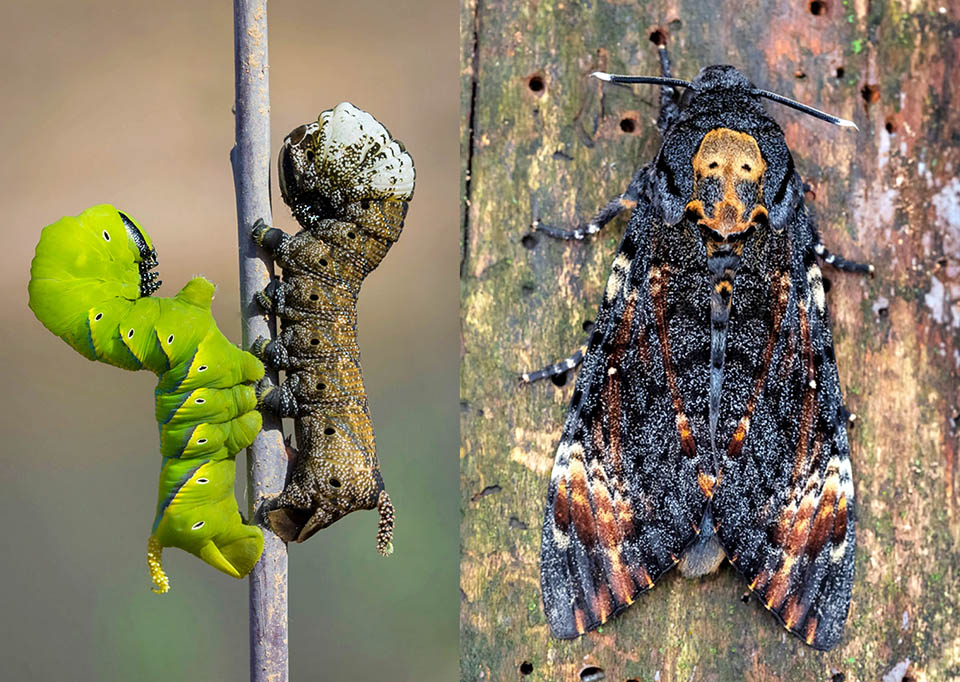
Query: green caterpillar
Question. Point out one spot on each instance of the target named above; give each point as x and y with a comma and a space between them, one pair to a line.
347, 182
90, 284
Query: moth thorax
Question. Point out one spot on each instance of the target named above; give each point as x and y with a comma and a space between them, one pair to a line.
728, 173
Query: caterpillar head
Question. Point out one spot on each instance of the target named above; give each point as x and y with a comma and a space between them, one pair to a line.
346, 156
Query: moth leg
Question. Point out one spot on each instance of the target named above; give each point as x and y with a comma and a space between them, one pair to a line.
669, 97
270, 238
841, 263
281, 399
621, 202
555, 369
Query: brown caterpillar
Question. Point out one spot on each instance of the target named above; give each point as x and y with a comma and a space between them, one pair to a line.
347, 183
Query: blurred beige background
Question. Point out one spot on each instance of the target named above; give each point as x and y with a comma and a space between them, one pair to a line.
130, 103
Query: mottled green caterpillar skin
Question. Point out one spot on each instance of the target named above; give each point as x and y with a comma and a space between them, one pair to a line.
90, 284
347, 183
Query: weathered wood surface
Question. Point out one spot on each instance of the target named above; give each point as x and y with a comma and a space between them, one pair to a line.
888, 194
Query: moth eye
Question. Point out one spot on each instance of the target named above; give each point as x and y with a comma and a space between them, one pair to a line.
170, 339
203, 481
202, 368
351, 235
201, 441
321, 386
335, 482
329, 431
314, 342
130, 334
323, 262
197, 526
314, 297
199, 401
98, 317
106, 235
713, 164
746, 167
310, 155
365, 204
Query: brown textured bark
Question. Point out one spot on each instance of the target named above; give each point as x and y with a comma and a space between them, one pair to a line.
537, 127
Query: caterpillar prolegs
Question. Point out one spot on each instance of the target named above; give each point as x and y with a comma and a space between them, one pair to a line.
347, 182
91, 285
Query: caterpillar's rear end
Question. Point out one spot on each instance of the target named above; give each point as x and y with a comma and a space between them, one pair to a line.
347, 183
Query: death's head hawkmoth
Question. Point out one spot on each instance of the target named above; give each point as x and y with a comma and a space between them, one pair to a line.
347, 182
707, 422
91, 282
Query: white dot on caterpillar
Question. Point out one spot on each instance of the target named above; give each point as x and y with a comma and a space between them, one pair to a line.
813, 383
197, 526
203, 481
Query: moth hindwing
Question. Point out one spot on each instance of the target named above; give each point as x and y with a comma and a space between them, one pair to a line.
707, 419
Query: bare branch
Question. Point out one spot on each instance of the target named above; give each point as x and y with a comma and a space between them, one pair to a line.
266, 458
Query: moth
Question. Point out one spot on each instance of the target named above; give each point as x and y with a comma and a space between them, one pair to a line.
348, 184
91, 282
707, 421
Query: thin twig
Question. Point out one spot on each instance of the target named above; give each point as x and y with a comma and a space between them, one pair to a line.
266, 458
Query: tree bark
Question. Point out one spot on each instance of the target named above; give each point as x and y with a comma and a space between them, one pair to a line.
538, 130
266, 458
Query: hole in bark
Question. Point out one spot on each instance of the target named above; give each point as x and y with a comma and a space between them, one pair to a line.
536, 84
526, 288
526, 668
628, 125
827, 284
838, 677
870, 92
675, 25
658, 37
840, 72
891, 126
745, 597
818, 7
529, 241
591, 673
798, 74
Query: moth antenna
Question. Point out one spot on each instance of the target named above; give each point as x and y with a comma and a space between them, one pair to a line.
816, 113
652, 80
